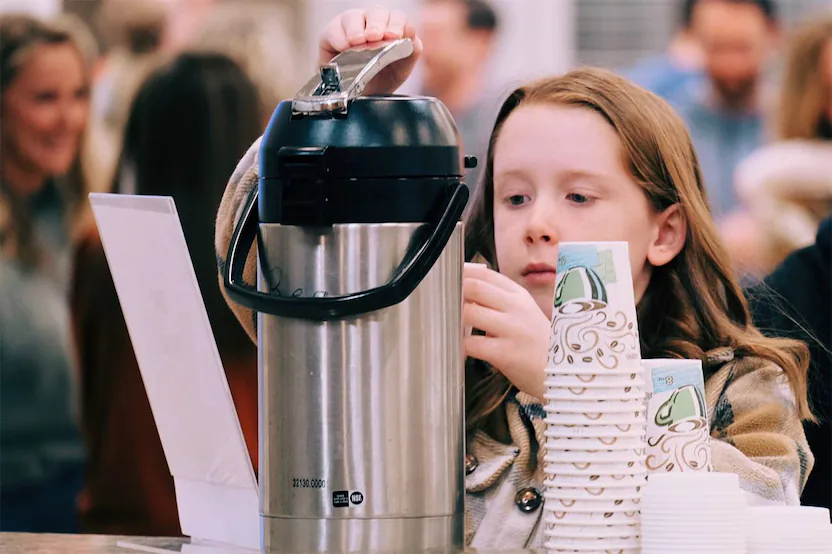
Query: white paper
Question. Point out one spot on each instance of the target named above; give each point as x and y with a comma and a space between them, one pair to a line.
216, 490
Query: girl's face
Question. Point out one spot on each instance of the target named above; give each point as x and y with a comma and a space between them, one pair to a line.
559, 175
45, 111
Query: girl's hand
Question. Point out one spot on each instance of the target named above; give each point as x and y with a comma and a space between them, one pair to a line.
516, 340
370, 27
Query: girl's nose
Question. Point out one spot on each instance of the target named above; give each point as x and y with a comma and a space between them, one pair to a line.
537, 237
540, 229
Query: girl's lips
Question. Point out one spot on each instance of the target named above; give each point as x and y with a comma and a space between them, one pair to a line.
538, 268
540, 277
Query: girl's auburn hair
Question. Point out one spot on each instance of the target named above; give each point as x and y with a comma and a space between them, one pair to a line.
694, 303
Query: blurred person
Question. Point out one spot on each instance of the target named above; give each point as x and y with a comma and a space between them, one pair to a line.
725, 109
185, 18
190, 122
259, 40
44, 109
788, 184
459, 36
795, 301
666, 73
133, 32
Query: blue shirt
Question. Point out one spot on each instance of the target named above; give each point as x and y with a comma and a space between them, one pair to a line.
722, 138
660, 75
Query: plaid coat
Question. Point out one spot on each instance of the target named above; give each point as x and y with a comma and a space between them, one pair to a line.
753, 416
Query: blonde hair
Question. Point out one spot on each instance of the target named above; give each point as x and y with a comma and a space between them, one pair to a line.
257, 38
694, 303
802, 101
20, 34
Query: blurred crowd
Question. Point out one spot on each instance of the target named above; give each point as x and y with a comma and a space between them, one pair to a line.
173, 101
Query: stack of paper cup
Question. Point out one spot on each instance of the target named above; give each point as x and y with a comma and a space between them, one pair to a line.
782, 529
678, 434
595, 405
694, 513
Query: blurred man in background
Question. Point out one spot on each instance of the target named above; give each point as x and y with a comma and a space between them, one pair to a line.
724, 110
459, 36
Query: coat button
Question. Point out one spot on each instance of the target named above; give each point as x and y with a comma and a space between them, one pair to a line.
471, 463
528, 500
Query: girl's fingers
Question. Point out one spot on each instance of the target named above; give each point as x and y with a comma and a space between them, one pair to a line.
409, 30
483, 273
333, 40
492, 322
485, 348
377, 20
354, 23
485, 294
396, 26
417, 48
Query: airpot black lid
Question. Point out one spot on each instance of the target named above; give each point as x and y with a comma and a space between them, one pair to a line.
331, 155
379, 137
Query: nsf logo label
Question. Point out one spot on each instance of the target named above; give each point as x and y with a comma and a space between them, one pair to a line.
343, 499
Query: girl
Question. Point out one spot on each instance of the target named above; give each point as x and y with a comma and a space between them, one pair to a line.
44, 83
589, 156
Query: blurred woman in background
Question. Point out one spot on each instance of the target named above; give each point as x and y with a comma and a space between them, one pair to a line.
43, 108
788, 184
189, 124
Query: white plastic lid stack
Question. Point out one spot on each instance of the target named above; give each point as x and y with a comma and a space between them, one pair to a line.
693, 513
789, 529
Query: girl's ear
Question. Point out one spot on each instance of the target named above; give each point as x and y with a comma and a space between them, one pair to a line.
670, 234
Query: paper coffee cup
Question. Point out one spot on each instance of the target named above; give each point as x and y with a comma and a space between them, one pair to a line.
594, 443
596, 468
588, 481
595, 381
594, 313
630, 371
582, 545
590, 456
611, 531
568, 550
627, 430
559, 394
590, 505
593, 518
594, 493
593, 417
593, 406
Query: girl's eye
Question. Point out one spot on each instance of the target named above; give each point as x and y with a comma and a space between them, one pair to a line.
516, 199
46, 97
577, 198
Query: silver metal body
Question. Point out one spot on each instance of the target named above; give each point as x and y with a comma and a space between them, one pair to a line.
361, 420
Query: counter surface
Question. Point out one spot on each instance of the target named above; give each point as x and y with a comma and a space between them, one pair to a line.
20, 543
